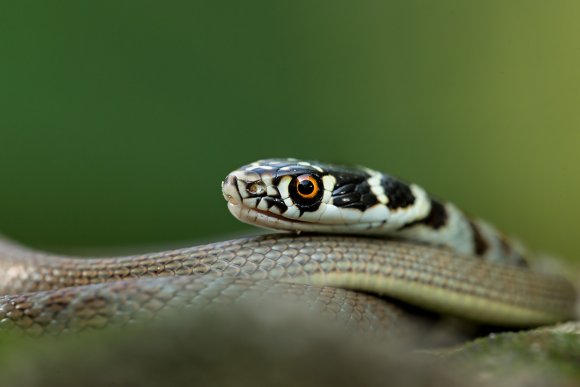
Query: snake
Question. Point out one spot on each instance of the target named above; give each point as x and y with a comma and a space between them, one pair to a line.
348, 241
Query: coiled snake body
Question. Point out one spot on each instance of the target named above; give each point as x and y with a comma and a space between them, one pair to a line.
449, 263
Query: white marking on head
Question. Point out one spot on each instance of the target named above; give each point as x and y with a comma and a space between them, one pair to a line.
292, 212
422, 205
275, 210
313, 216
326, 197
242, 188
267, 178
250, 202
328, 182
283, 188
350, 215
271, 190
263, 205
376, 213
377, 189
332, 214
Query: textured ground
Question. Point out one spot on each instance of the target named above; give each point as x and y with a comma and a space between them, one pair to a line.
273, 344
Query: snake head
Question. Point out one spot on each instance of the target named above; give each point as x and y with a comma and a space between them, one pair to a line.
294, 195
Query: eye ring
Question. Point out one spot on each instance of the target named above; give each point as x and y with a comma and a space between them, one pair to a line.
307, 186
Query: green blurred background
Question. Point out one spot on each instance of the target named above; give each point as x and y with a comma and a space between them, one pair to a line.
118, 120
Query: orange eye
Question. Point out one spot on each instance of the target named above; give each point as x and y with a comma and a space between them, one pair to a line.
307, 186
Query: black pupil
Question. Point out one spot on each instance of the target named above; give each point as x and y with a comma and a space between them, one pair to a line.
305, 187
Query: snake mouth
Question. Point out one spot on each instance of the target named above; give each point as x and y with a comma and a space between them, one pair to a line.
272, 215
267, 219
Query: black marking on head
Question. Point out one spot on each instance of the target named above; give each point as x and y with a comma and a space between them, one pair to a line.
345, 176
352, 189
398, 193
276, 202
479, 243
348, 200
354, 195
344, 190
436, 218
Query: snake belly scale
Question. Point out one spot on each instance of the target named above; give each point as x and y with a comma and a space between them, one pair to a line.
448, 272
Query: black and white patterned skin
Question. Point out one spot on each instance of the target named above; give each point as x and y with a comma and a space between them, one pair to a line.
308, 196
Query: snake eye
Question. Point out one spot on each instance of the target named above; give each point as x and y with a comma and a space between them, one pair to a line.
307, 186
305, 189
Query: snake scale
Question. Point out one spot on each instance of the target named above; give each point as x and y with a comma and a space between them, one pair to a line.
421, 251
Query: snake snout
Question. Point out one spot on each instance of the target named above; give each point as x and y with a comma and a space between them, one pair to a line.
231, 191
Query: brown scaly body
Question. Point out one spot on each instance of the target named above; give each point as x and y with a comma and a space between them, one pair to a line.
426, 276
